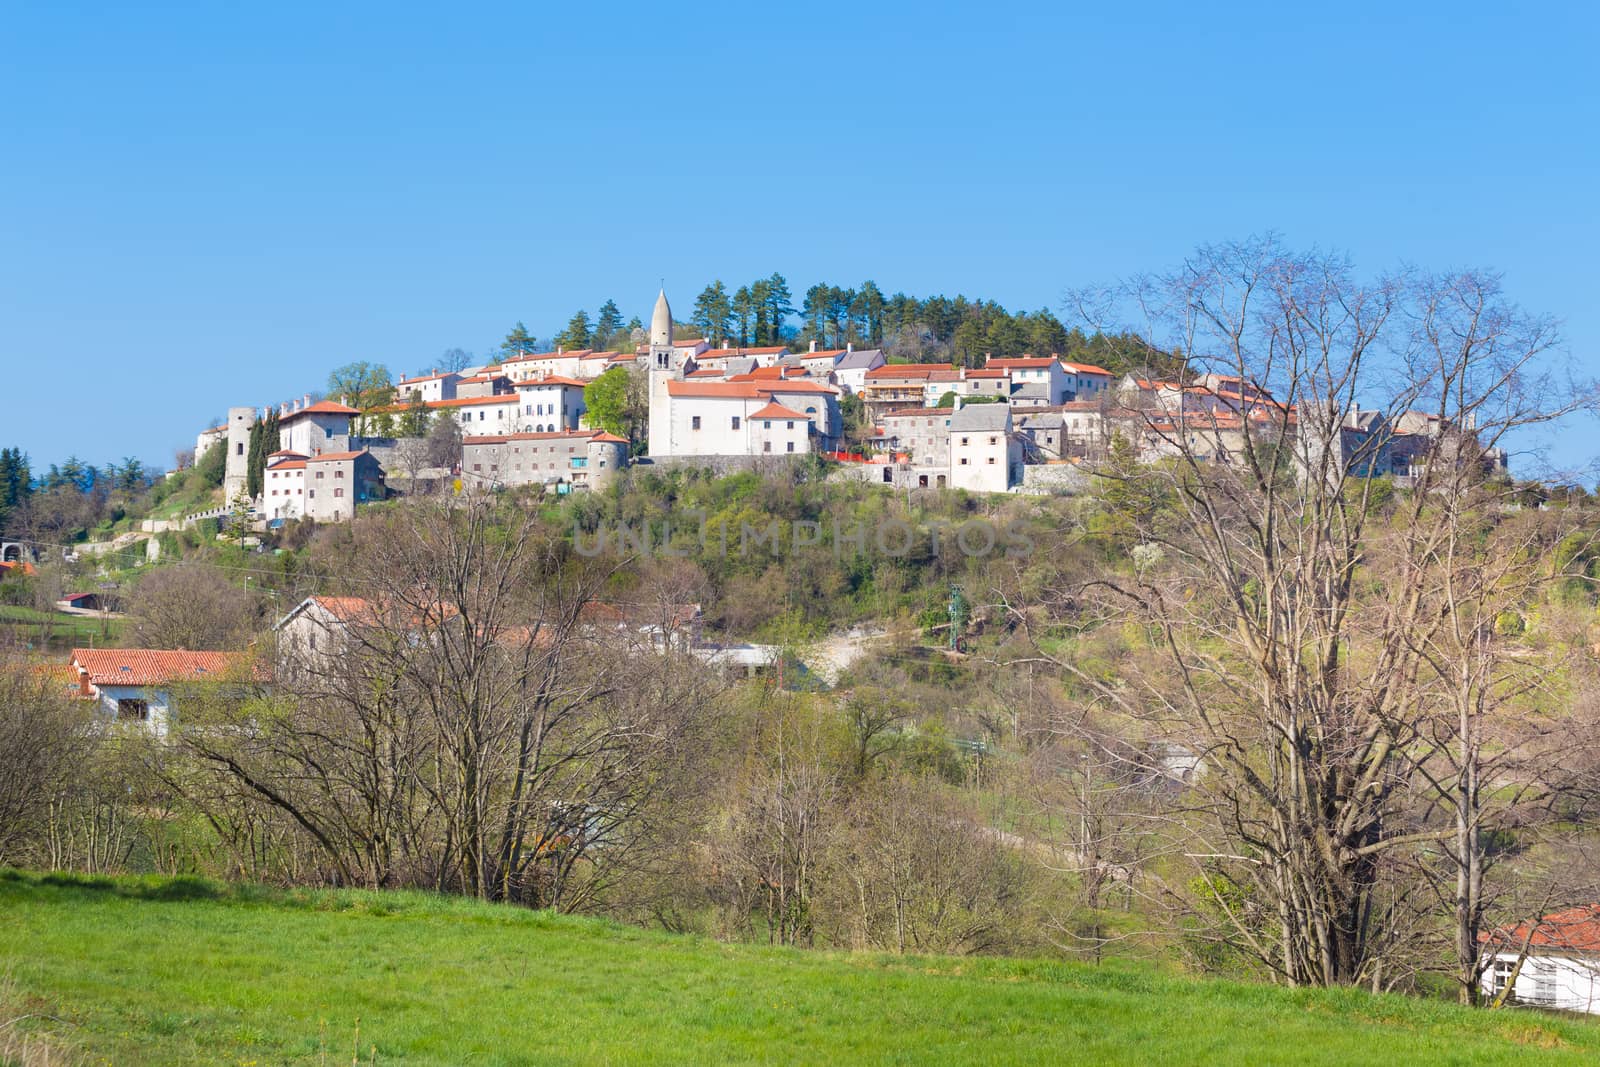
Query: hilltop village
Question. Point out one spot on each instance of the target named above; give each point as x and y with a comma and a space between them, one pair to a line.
1013, 425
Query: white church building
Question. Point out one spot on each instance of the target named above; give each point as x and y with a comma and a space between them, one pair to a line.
741, 416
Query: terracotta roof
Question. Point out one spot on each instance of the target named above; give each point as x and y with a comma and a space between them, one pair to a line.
762, 374
550, 379
139, 666
1086, 368
718, 353
1572, 930
576, 353
337, 457
424, 378
831, 353
479, 378
296, 464
610, 438
1022, 361
597, 355
69, 597
986, 372
709, 372
321, 407
775, 410
747, 390
933, 371
286, 452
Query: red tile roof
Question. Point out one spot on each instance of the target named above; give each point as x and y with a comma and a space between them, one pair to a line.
550, 379
1573, 930
986, 372
337, 457
933, 371
322, 407
576, 353
476, 378
1019, 362
719, 353
831, 353
748, 390
138, 666
296, 464
1086, 368
775, 410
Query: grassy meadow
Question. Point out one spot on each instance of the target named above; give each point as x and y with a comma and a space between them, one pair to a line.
181, 971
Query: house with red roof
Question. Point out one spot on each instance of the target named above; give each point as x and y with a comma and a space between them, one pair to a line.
440, 385
1551, 962
312, 429
136, 685
337, 482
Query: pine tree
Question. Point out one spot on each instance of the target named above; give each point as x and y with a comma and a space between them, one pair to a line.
712, 313
518, 342
608, 322
778, 306
577, 334
743, 307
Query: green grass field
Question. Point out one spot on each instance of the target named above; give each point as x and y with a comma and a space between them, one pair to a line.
152, 971
66, 631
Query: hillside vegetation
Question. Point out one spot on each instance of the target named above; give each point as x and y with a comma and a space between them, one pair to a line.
181, 971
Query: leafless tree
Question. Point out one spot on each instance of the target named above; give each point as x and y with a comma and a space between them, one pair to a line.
192, 606
1272, 653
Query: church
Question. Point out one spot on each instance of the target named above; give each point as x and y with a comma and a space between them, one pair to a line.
737, 409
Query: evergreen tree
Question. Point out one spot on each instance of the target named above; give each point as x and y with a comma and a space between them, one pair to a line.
778, 306
758, 302
743, 307
869, 311
16, 482
608, 322
712, 313
577, 334
518, 342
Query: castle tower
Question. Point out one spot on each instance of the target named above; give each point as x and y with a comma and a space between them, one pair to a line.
664, 366
237, 471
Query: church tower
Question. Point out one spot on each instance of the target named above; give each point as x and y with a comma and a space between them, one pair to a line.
664, 366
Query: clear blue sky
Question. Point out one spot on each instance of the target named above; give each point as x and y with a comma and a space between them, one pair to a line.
205, 205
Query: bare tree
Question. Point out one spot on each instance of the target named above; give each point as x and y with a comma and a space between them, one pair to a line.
1271, 651
192, 606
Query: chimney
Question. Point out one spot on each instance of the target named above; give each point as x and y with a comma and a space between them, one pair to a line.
813, 346
307, 399
849, 347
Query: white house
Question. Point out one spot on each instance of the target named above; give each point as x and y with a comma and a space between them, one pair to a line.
283, 486
134, 685
1087, 381
543, 364
317, 428
1044, 371
550, 404
850, 371
1551, 963
985, 455
435, 386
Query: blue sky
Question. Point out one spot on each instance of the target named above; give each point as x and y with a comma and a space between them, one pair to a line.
215, 204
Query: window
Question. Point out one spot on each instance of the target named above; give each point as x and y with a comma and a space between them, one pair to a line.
736, 422
964, 461
477, 466
338, 474
133, 710
766, 446
991, 460
319, 474
338, 492
992, 440
789, 425
791, 446
694, 422
963, 440
327, 433
241, 449
312, 493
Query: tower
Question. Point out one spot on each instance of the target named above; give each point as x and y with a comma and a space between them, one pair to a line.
663, 366
236, 472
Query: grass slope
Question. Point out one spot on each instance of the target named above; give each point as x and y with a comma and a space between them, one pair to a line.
181, 971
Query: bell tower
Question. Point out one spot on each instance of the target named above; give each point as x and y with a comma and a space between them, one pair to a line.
664, 366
